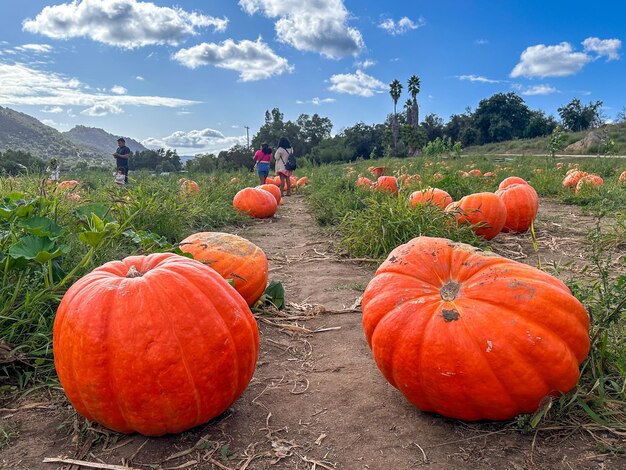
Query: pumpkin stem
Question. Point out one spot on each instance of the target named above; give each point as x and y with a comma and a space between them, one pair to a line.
449, 291
133, 272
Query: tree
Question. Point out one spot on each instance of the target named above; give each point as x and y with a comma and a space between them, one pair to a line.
576, 117
17, 162
433, 126
501, 117
556, 141
539, 125
414, 89
312, 130
364, 141
395, 90
235, 157
621, 116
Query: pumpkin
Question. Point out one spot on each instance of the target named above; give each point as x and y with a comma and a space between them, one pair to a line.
435, 196
489, 174
153, 344
364, 183
522, 204
511, 180
234, 180
437, 177
472, 335
256, 203
377, 171
388, 184
572, 179
273, 190
475, 172
67, 184
233, 257
302, 181
189, 187
622, 178
484, 211
589, 181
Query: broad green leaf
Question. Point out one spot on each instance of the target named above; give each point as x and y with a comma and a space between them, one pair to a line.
275, 293
42, 227
92, 238
40, 249
84, 212
97, 223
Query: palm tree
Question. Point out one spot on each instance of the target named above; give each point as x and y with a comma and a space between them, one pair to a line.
395, 90
414, 89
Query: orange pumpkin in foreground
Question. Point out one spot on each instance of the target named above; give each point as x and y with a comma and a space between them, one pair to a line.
511, 180
273, 190
484, 211
233, 257
256, 203
522, 204
154, 344
471, 335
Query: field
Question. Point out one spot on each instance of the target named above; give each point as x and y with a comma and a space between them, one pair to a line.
317, 399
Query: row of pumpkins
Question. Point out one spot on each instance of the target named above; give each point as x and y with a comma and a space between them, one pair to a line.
512, 208
162, 343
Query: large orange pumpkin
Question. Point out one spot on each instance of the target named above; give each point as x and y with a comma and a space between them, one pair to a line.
255, 202
484, 211
522, 204
471, 335
273, 190
388, 184
233, 257
153, 344
435, 196
511, 180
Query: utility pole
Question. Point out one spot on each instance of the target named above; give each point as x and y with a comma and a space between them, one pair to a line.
247, 135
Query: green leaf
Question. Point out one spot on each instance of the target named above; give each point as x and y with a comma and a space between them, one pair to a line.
97, 223
40, 249
92, 238
42, 227
275, 293
84, 212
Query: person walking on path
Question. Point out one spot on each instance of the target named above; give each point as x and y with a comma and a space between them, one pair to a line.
121, 157
262, 159
281, 155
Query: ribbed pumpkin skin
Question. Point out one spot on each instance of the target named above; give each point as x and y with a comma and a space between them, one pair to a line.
233, 257
155, 354
485, 209
272, 189
256, 203
511, 180
469, 335
435, 196
522, 204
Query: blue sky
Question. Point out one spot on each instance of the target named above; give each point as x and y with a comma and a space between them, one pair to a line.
191, 75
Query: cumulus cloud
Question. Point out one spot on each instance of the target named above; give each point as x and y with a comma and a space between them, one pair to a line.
119, 90
123, 23
195, 141
254, 60
401, 26
358, 83
603, 47
367, 63
21, 84
562, 60
102, 109
320, 26
477, 78
317, 101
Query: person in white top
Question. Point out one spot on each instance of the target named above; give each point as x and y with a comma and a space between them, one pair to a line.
280, 156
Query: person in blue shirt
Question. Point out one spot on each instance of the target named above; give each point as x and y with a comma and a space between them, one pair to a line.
121, 157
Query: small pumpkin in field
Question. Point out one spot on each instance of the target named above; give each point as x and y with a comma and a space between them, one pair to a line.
273, 190
522, 204
435, 196
388, 184
484, 211
572, 178
153, 344
256, 203
589, 181
189, 187
471, 335
233, 257
511, 180
475, 172
302, 181
363, 182
68, 184
622, 178
234, 180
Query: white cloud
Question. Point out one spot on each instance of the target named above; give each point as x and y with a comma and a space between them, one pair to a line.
254, 60
603, 47
317, 101
24, 85
481, 42
124, 23
358, 83
195, 141
477, 78
140, 78
561, 60
119, 90
367, 63
36, 48
401, 26
52, 109
538, 90
315, 26
102, 109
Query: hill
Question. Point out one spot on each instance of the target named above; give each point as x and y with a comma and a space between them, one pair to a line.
19, 131
100, 141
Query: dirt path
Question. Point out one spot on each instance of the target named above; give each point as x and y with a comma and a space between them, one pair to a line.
317, 400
